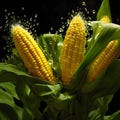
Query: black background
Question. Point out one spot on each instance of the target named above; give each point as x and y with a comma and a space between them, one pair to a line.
49, 15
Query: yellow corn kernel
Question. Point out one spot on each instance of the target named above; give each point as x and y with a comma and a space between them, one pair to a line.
73, 48
105, 19
31, 54
106, 57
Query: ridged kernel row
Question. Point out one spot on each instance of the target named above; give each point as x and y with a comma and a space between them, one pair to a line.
73, 48
31, 54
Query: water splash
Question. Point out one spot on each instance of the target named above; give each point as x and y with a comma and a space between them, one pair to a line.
10, 18
31, 22
28, 22
83, 11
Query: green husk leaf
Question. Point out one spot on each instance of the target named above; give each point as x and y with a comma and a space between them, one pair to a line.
45, 89
104, 10
10, 73
109, 32
51, 45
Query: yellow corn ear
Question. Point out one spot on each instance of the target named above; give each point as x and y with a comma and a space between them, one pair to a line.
31, 54
73, 48
106, 57
105, 19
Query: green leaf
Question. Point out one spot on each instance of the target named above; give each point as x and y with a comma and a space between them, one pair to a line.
8, 112
9, 88
99, 107
115, 116
45, 89
27, 114
3, 117
11, 73
103, 103
107, 117
6, 98
31, 110
8, 107
104, 10
51, 45
65, 107
54, 44
25, 84
95, 115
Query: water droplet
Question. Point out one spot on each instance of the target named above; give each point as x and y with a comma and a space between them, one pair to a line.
12, 13
31, 19
85, 9
51, 28
88, 12
36, 15
8, 14
24, 16
1, 27
69, 13
10, 18
34, 20
68, 22
37, 23
63, 26
61, 30
84, 3
88, 18
93, 11
73, 11
61, 18
23, 8
5, 10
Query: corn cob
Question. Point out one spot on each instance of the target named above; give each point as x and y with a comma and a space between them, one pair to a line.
106, 57
73, 48
105, 19
31, 54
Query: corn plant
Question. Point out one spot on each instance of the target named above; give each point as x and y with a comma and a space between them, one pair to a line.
73, 77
